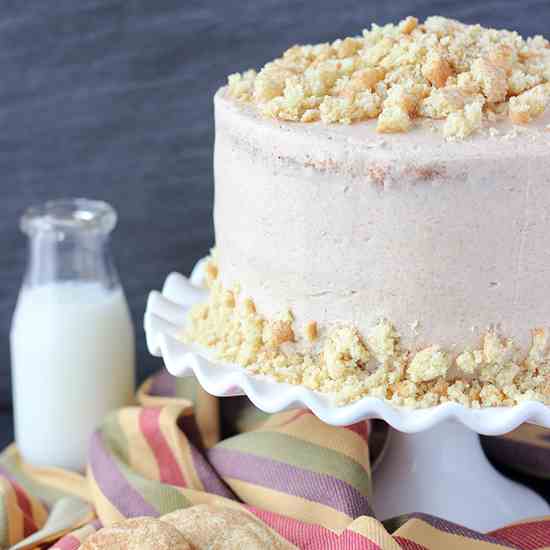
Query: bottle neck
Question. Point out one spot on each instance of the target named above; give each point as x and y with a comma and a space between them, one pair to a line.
70, 256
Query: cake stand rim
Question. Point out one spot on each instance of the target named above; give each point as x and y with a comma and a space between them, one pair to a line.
182, 360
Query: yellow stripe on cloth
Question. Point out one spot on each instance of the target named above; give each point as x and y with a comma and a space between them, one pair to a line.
200, 497
278, 419
39, 512
105, 510
423, 533
146, 400
140, 455
207, 417
14, 515
373, 530
289, 505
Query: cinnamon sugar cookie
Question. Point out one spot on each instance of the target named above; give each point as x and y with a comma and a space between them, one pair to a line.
209, 527
142, 533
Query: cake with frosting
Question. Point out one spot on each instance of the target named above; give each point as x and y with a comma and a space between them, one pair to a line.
382, 210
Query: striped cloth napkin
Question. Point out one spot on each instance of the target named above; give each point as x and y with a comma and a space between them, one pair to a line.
308, 481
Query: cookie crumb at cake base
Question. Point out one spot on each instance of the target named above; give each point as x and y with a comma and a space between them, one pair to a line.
349, 365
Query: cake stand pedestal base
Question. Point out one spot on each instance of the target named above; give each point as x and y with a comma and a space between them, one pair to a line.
443, 471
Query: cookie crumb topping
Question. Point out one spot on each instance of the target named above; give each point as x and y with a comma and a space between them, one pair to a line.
441, 69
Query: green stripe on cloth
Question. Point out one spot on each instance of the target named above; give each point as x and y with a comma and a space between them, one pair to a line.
250, 418
187, 388
164, 498
46, 493
114, 437
301, 454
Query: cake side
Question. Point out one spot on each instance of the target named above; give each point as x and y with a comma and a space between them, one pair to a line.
445, 240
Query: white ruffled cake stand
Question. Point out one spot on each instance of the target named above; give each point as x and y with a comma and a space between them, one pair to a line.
433, 461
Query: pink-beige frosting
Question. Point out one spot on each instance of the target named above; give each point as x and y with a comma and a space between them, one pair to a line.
342, 225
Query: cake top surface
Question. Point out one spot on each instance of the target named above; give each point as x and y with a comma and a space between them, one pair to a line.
399, 74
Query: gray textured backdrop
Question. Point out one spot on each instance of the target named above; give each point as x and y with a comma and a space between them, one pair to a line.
112, 99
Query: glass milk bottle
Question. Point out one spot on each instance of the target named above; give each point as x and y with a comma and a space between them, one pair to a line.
72, 340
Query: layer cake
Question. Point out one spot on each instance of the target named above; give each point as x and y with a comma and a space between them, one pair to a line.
382, 205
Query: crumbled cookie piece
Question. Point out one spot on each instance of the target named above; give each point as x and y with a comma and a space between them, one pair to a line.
338, 109
344, 350
498, 350
428, 364
366, 79
436, 69
393, 119
394, 73
278, 332
241, 86
311, 331
539, 347
249, 307
383, 342
529, 105
442, 102
408, 25
462, 124
228, 298
491, 78
211, 272
406, 389
467, 362
311, 115
504, 57
491, 396
458, 392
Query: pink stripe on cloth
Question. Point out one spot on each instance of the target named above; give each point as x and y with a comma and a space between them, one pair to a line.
29, 525
293, 530
407, 544
168, 467
361, 429
350, 540
22, 499
527, 536
309, 536
67, 543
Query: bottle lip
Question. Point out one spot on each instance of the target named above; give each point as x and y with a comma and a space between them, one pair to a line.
69, 215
